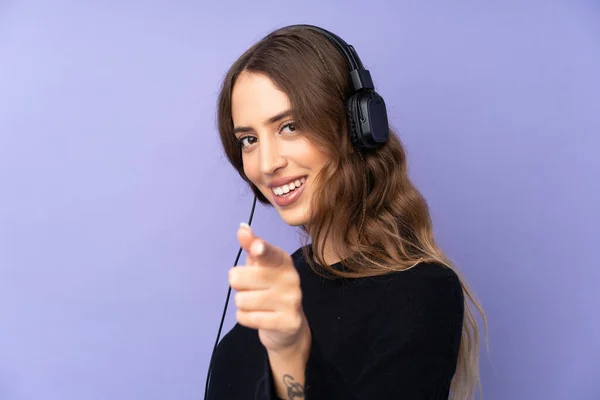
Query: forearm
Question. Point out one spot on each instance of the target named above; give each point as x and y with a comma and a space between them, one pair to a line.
288, 370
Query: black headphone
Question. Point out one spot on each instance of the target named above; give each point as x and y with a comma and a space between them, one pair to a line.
367, 115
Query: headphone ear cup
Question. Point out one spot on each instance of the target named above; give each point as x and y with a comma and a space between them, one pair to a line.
367, 120
375, 128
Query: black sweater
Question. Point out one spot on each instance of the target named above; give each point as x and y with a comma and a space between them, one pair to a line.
394, 336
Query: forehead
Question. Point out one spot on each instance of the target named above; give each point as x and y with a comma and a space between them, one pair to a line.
255, 98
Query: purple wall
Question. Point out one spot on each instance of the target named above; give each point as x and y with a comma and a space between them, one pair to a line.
118, 211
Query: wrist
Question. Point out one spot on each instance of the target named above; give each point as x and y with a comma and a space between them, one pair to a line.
288, 365
299, 350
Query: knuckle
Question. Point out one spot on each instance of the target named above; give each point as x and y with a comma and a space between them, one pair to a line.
295, 322
297, 302
292, 278
295, 278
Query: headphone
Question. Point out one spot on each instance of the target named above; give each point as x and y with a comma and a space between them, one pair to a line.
367, 116
367, 126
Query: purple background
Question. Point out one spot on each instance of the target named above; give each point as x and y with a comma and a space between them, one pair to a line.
118, 210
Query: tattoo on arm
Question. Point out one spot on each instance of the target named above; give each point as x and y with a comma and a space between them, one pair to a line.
294, 389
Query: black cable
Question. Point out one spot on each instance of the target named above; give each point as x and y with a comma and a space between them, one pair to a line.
225, 309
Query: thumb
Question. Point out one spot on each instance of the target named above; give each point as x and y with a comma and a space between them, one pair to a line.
259, 251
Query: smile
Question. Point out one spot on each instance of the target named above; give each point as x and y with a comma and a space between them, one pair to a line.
289, 193
287, 188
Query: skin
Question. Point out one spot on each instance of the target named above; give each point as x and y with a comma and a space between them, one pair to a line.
268, 296
273, 149
269, 299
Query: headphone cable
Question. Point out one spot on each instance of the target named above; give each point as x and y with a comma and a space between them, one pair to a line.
208, 374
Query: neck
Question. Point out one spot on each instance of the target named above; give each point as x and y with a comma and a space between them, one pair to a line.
330, 257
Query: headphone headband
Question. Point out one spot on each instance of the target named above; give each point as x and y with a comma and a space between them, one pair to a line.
359, 76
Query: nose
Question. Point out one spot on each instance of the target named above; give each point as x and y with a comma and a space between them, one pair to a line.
271, 157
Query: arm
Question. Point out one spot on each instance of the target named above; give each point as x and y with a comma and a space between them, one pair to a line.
288, 369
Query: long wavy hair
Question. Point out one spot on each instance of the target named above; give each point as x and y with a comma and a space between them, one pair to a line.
393, 230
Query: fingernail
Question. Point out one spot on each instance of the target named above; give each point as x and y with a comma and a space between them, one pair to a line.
245, 225
258, 248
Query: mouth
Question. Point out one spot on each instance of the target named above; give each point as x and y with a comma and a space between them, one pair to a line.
289, 193
287, 189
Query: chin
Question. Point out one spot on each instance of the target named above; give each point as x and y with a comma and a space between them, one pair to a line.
295, 215
293, 219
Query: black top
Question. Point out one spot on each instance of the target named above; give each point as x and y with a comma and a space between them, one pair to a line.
394, 336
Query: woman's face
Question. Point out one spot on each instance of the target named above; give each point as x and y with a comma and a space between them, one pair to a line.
278, 159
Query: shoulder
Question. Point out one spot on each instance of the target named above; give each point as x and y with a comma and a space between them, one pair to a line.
428, 285
424, 275
424, 304
426, 278
426, 270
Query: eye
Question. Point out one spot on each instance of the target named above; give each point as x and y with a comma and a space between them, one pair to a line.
246, 141
289, 126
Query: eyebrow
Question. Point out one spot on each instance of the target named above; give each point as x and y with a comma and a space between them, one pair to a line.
269, 121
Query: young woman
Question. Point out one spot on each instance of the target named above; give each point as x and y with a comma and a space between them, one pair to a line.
371, 308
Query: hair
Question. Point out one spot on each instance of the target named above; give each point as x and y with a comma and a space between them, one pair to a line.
394, 231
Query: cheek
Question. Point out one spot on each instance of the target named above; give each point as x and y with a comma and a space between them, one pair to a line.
317, 159
312, 155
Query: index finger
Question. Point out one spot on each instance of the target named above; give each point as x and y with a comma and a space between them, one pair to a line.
259, 251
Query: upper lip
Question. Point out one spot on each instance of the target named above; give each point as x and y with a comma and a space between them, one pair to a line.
283, 181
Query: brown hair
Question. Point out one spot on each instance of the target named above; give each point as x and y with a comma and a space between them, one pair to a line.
394, 231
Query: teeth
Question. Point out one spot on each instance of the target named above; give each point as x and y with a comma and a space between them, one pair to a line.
281, 190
